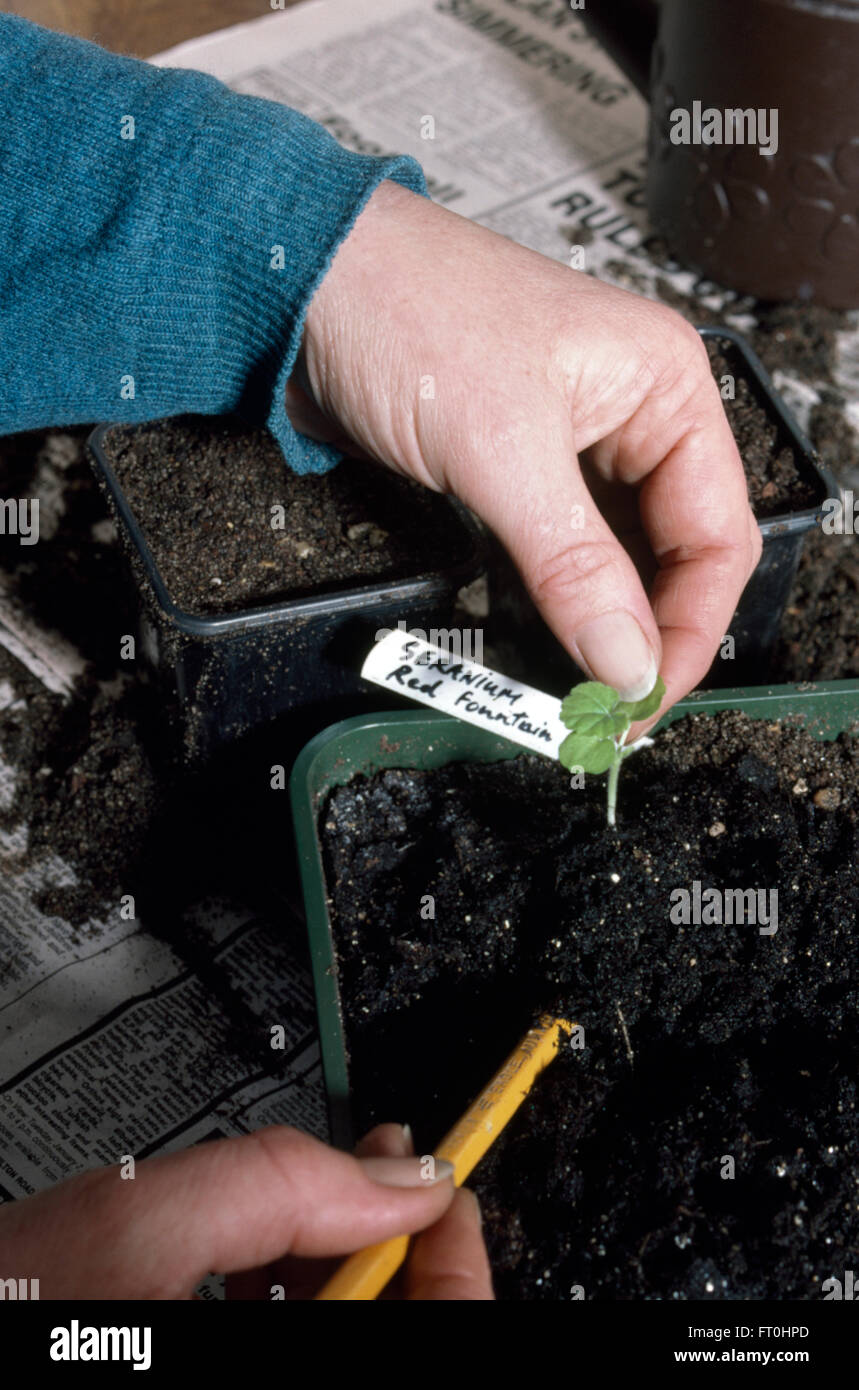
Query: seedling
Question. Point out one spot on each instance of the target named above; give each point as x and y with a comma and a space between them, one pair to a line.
599, 721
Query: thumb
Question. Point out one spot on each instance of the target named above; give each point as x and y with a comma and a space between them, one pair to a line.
581, 579
227, 1205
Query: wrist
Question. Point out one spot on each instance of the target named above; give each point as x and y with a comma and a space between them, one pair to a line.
358, 280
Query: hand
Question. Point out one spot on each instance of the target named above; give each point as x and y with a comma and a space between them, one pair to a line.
548, 402
239, 1204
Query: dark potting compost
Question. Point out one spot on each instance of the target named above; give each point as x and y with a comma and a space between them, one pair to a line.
91, 777
819, 637
203, 492
468, 899
775, 480
82, 781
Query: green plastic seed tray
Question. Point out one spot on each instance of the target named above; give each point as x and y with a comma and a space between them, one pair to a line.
423, 739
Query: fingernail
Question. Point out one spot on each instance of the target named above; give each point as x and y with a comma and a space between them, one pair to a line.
408, 1140
616, 651
407, 1172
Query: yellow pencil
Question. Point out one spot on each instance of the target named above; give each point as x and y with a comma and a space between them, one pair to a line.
363, 1275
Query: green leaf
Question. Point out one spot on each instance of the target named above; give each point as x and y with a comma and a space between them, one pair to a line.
591, 755
591, 697
598, 720
601, 725
642, 709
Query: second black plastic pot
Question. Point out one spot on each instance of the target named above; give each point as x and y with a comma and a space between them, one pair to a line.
755, 625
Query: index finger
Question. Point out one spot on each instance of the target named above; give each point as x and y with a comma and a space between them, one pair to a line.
695, 510
693, 500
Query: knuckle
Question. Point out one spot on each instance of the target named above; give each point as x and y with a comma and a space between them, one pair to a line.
577, 571
279, 1148
282, 1154
685, 354
680, 332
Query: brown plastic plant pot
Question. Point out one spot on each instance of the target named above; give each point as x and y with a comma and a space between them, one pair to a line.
779, 226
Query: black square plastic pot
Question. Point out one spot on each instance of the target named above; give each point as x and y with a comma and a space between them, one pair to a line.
227, 675
756, 622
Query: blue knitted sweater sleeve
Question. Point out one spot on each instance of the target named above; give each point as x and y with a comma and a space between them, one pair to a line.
160, 239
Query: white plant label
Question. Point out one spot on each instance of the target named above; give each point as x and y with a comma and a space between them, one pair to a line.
467, 690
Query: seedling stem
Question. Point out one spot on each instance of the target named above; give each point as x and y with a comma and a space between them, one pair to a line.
599, 721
